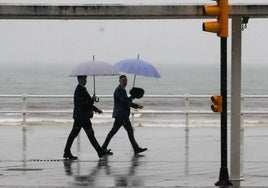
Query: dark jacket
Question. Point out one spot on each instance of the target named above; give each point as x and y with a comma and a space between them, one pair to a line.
122, 103
83, 103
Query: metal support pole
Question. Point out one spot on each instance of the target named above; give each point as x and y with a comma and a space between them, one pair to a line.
242, 139
224, 176
236, 99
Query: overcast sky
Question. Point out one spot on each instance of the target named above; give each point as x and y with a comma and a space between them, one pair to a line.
157, 41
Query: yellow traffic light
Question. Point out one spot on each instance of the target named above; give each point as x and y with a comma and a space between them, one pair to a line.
221, 11
217, 103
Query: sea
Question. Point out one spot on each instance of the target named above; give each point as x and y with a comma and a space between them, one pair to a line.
176, 79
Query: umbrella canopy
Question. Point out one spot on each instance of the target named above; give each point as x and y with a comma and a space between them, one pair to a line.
137, 67
94, 68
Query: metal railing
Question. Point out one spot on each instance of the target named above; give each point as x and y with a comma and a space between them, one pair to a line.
24, 111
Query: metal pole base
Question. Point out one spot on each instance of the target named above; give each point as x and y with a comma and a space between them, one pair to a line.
224, 178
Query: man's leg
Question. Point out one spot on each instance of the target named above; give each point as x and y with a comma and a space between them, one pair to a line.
87, 126
73, 134
116, 127
127, 125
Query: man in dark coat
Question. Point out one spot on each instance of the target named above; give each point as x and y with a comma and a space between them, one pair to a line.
83, 111
121, 112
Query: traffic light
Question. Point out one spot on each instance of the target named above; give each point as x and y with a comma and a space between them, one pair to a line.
217, 103
221, 11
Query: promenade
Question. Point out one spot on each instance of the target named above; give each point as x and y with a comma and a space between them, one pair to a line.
33, 158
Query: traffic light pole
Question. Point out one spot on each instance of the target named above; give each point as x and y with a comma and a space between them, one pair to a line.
224, 176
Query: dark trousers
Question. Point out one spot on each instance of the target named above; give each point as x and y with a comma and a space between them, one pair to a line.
117, 124
87, 126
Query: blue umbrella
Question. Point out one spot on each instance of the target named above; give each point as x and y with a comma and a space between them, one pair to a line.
137, 67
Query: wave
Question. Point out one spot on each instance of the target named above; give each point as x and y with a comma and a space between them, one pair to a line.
108, 120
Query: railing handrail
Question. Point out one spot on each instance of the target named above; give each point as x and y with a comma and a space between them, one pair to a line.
110, 96
24, 111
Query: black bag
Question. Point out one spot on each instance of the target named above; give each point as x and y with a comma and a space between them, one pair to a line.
136, 92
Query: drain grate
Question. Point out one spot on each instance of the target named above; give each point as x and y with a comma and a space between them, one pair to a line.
46, 160
24, 169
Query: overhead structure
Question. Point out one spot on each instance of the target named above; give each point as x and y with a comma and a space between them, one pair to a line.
113, 11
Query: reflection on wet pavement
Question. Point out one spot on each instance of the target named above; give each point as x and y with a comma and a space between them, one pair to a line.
33, 157
104, 170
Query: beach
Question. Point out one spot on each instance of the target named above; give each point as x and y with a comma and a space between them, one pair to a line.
175, 157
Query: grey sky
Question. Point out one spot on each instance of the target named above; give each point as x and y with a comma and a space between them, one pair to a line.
157, 41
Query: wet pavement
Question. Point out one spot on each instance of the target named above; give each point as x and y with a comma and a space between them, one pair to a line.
33, 157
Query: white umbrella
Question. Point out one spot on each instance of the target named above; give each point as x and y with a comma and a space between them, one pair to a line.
94, 68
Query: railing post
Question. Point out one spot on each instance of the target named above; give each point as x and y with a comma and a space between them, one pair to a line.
24, 110
186, 110
132, 119
78, 143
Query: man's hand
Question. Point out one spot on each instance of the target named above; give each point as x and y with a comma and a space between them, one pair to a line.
100, 111
140, 106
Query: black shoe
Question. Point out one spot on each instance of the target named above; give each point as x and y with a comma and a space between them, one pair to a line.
101, 153
104, 152
68, 155
139, 150
108, 152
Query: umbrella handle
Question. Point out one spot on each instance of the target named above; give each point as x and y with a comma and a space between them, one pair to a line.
97, 99
134, 80
94, 85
